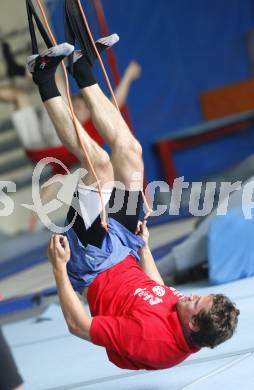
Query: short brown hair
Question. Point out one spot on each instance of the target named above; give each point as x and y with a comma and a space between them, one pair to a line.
216, 325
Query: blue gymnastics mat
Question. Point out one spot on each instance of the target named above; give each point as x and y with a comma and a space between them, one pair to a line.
31, 249
22, 252
49, 358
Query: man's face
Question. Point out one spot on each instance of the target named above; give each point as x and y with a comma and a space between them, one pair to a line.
188, 307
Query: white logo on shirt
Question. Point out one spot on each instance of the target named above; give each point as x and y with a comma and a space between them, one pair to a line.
146, 296
176, 293
158, 290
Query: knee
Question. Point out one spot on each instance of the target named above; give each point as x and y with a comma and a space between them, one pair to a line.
102, 162
129, 149
137, 148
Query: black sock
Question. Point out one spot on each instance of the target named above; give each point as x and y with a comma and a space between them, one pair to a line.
13, 69
100, 47
82, 68
44, 76
83, 73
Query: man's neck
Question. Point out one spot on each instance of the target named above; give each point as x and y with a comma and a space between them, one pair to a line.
185, 327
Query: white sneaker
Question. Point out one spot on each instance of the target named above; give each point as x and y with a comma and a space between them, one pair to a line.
62, 50
106, 41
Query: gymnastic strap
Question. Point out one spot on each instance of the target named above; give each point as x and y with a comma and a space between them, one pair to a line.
85, 45
76, 31
32, 14
77, 28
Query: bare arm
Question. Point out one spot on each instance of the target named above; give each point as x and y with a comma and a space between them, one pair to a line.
147, 262
78, 321
131, 74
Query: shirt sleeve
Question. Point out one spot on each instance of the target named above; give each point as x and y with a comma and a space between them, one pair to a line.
120, 334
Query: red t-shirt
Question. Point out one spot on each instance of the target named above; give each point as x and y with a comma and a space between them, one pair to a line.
135, 319
59, 152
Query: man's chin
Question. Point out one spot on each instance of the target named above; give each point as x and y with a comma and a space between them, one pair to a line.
182, 302
184, 299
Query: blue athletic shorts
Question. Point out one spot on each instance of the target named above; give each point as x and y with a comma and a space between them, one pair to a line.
93, 250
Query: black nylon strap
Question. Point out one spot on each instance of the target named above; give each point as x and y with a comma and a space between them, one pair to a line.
31, 13
69, 37
75, 31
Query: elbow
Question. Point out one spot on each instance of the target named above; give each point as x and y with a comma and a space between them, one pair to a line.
72, 329
77, 331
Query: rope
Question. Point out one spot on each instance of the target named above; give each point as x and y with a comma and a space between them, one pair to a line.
148, 209
74, 119
98, 55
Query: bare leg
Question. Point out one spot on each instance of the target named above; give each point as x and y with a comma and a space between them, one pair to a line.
121, 92
126, 151
61, 118
126, 159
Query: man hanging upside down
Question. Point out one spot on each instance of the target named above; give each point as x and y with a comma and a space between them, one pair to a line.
142, 323
37, 133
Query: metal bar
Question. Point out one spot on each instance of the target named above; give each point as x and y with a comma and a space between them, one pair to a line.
207, 126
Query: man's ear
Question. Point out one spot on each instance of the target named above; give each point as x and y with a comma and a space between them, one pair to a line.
193, 325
